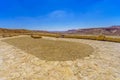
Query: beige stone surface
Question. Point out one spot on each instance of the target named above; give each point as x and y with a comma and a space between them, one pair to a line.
103, 64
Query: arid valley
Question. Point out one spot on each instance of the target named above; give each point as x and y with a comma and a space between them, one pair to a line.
43, 56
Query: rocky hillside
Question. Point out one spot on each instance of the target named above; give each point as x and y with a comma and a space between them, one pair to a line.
113, 30
2, 30
19, 31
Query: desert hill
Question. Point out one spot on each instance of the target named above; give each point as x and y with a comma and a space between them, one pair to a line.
113, 30
19, 31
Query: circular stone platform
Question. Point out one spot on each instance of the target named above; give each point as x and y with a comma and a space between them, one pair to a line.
52, 50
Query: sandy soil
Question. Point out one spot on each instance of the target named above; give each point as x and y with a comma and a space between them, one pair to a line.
103, 64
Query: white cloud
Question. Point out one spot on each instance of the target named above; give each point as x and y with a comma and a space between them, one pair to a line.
60, 14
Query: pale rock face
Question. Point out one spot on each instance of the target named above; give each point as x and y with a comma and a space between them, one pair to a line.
103, 64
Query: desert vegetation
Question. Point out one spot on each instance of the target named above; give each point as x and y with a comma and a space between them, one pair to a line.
36, 36
94, 37
89, 37
8, 35
112, 39
63, 35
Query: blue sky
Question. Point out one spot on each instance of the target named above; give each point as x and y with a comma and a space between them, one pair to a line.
59, 15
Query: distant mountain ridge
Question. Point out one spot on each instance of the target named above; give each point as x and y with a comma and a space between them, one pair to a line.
19, 31
113, 30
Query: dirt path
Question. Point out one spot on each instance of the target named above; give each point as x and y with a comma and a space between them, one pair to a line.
104, 64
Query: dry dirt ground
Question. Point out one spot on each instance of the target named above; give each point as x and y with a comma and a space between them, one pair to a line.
103, 64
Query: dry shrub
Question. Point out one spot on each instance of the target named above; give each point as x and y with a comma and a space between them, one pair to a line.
100, 37
5, 35
74, 36
90, 37
112, 39
28, 33
116, 39
11, 35
80, 37
35, 36
0, 35
15, 34
52, 35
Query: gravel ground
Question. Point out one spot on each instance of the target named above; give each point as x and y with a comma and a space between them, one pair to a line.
103, 64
